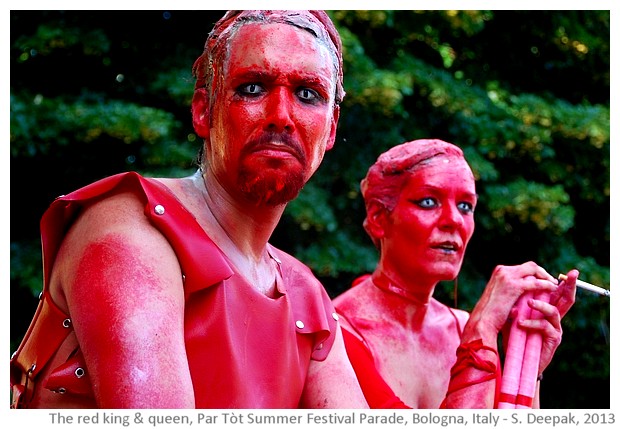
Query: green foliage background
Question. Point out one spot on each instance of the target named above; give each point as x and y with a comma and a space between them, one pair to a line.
524, 93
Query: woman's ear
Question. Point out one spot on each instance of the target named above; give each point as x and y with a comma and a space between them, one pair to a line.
376, 219
200, 112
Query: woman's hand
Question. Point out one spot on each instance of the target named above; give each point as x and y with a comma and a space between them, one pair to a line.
506, 285
549, 325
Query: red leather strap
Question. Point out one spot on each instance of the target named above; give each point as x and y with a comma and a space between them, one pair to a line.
48, 329
377, 392
467, 357
71, 377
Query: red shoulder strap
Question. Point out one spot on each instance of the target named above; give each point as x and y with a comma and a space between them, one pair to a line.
377, 392
50, 326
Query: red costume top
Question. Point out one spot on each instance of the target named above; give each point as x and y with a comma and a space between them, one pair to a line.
245, 350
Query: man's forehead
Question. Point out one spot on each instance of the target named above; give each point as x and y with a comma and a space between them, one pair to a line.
261, 48
255, 37
316, 23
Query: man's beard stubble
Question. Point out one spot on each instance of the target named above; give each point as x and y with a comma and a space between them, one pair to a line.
269, 187
273, 183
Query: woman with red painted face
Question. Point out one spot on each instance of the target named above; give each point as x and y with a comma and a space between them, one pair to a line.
407, 348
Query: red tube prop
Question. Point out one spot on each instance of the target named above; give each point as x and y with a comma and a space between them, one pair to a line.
531, 361
511, 377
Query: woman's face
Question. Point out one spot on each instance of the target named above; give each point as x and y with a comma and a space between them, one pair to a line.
426, 234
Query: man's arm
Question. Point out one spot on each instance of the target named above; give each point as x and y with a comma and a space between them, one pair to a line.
332, 383
122, 286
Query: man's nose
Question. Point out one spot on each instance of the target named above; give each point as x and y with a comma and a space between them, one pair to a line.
279, 111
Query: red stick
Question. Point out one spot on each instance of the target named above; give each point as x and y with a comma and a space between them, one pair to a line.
531, 360
511, 376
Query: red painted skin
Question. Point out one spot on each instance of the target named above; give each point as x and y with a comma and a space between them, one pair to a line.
422, 230
279, 81
279, 85
272, 93
433, 220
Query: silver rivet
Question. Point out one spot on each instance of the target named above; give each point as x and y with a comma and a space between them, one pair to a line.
300, 324
159, 209
79, 372
335, 316
66, 323
32, 368
61, 390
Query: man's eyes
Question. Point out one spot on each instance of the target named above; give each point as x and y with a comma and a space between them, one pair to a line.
250, 89
306, 95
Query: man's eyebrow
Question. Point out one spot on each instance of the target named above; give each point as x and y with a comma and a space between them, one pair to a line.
320, 84
299, 76
253, 75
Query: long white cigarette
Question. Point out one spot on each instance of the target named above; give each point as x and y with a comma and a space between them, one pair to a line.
587, 286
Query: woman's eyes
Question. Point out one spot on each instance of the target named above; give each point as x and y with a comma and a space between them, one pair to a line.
466, 207
429, 203
426, 203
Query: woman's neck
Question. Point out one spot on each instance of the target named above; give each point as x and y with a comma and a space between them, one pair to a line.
407, 291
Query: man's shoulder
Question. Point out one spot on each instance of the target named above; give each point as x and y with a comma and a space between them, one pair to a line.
289, 261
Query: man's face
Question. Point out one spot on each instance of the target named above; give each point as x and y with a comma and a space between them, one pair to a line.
274, 116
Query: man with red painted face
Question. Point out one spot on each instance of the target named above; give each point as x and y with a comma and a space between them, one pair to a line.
165, 293
420, 198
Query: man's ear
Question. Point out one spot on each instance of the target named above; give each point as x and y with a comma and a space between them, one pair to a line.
334, 126
200, 112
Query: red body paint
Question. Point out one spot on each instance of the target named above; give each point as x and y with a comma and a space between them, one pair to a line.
275, 115
420, 199
431, 223
118, 308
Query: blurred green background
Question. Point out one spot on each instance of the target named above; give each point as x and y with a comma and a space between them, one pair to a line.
526, 94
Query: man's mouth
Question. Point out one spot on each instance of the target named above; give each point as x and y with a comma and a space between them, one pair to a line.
277, 145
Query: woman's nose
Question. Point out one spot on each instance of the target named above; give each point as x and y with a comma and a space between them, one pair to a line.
451, 216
